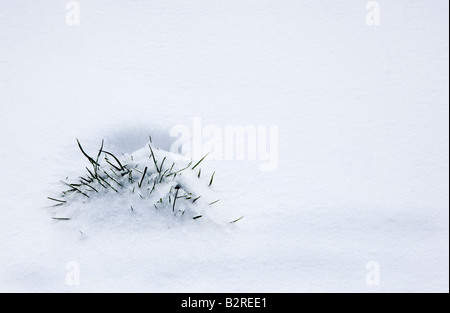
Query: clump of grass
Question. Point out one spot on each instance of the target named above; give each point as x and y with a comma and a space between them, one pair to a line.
124, 176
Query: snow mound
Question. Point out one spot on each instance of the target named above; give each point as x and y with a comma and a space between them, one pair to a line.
149, 186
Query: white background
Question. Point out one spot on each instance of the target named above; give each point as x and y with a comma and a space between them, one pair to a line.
363, 121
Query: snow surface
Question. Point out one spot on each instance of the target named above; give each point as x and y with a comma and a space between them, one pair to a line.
363, 161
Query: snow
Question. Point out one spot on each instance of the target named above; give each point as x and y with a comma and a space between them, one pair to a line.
362, 116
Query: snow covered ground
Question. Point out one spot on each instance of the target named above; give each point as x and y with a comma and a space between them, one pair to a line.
358, 203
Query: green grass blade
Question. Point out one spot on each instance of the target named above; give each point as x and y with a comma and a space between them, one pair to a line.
200, 161
143, 176
98, 156
107, 161
109, 176
212, 178
154, 160
61, 201
91, 160
75, 189
237, 220
86, 184
189, 165
84, 153
116, 159
107, 183
175, 199
162, 163
86, 180
162, 176
214, 202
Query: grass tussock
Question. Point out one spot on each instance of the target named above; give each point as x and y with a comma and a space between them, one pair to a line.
158, 182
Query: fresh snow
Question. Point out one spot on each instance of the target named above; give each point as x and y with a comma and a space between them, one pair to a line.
362, 116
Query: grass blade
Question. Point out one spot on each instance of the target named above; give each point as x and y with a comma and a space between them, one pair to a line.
153, 188
109, 176
116, 159
91, 160
107, 161
237, 220
61, 201
98, 157
84, 153
162, 176
154, 160
90, 173
212, 178
75, 189
143, 176
162, 163
107, 184
200, 161
190, 163
214, 202
86, 184
175, 199
86, 180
